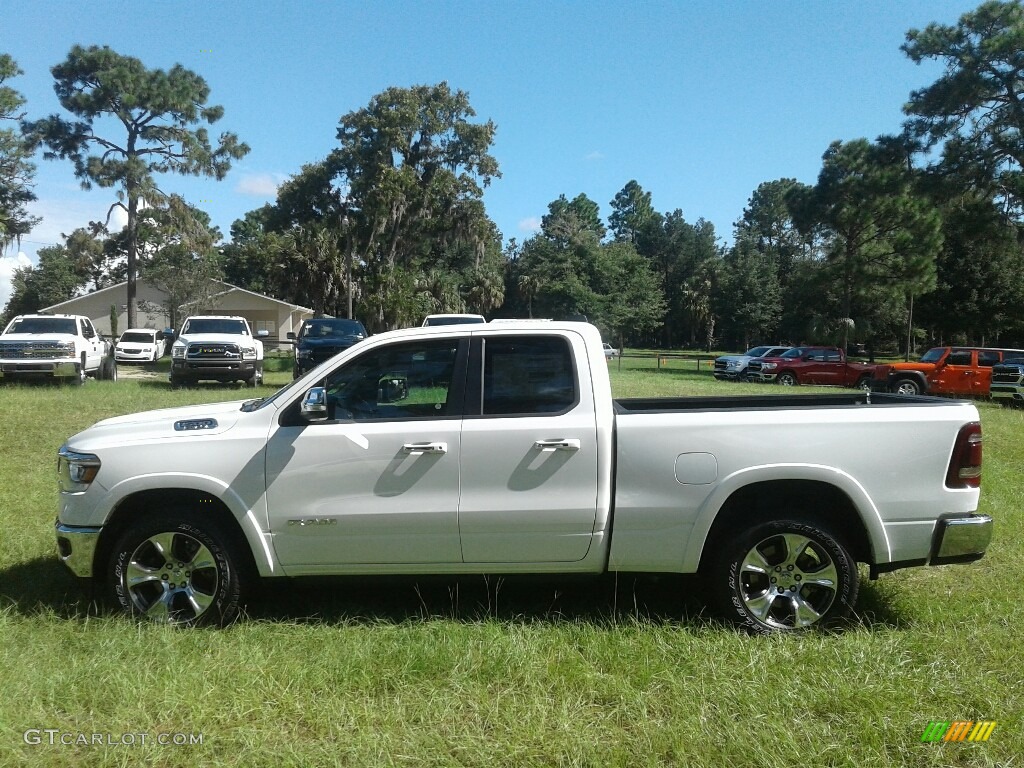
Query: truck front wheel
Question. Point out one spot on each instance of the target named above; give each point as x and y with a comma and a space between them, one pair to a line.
787, 379
907, 387
786, 575
176, 569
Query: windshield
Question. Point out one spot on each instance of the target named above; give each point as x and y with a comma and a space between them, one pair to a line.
791, 353
756, 351
43, 325
138, 337
215, 325
933, 355
313, 329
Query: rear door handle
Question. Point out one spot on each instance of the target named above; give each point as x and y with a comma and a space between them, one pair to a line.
571, 444
418, 449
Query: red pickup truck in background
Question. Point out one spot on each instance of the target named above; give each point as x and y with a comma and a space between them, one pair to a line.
812, 365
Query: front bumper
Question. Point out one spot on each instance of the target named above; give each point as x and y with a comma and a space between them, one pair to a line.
1011, 392
219, 370
134, 356
62, 369
961, 539
76, 547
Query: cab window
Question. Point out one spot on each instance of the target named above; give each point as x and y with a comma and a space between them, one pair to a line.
401, 381
959, 357
527, 375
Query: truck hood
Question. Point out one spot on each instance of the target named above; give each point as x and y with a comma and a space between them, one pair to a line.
218, 338
329, 342
38, 337
922, 367
150, 426
735, 358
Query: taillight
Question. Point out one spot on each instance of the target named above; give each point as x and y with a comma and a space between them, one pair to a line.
965, 464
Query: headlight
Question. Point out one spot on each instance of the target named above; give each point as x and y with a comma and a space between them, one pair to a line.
248, 353
769, 366
76, 471
178, 350
732, 365
304, 354
66, 349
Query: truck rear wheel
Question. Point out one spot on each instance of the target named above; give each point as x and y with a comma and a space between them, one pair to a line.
176, 569
784, 576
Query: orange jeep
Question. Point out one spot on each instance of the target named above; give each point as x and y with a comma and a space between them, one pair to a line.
943, 371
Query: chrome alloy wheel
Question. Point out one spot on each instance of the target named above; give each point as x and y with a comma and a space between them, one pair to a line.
171, 577
788, 581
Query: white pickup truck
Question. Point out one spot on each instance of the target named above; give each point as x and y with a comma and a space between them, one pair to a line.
499, 449
216, 348
62, 347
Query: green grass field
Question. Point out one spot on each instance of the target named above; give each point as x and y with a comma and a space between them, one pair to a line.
494, 672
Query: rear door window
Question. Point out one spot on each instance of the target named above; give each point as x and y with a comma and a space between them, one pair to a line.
527, 375
987, 358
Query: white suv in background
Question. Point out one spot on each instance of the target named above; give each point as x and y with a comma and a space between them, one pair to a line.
139, 345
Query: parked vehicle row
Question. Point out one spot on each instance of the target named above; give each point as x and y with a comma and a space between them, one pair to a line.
957, 371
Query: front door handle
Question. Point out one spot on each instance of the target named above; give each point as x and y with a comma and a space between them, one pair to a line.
418, 449
572, 444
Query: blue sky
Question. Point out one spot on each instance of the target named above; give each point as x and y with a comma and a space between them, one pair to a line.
698, 100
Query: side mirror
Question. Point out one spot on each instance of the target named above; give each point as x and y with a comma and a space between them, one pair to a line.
392, 389
314, 405
290, 335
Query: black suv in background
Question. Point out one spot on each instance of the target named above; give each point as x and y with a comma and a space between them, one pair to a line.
322, 338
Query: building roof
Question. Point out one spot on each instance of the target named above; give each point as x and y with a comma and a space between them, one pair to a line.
228, 288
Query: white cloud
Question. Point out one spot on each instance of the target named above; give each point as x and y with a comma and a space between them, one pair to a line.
259, 184
119, 218
594, 156
529, 225
7, 266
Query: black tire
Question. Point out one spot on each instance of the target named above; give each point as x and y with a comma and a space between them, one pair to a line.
785, 576
863, 384
906, 387
108, 369
787, 379
177, 569
178, 382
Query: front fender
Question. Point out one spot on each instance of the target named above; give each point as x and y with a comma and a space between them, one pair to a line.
713, 504
247, 517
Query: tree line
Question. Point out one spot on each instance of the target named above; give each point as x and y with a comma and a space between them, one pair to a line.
906, 239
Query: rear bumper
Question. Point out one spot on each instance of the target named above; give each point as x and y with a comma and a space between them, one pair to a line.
76, 548
961, 539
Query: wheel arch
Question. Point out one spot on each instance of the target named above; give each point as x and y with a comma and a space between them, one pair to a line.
136, 506
820, 495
